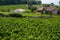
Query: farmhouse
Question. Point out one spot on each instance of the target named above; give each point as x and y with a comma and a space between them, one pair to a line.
46, 9
40, 8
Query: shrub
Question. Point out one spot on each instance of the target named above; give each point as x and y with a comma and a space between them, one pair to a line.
29, 6
28, 11
9, 10
2, 15
58, 13
2, 10
33, 9
14, 15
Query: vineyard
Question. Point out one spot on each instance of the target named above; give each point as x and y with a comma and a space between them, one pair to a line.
29, 28
28, 25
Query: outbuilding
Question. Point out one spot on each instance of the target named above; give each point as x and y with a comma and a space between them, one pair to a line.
47, 9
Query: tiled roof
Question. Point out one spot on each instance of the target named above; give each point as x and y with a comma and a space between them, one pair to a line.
46, 8
50, 8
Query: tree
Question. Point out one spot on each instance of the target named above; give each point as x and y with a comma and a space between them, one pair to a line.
59, 2
52, 4
3, 2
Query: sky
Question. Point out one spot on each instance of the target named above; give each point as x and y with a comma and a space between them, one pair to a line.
56, 2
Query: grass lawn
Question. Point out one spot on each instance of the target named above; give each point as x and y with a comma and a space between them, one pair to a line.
5, 12
33, 14
12, 7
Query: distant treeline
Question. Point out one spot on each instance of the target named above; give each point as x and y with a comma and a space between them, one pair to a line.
6, 2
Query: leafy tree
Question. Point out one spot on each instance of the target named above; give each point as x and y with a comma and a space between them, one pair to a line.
59, 2
52, 4
3, 2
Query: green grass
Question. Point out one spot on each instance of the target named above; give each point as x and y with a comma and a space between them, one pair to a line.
5, 12
12, 7
30, 14
33, 14
29, 28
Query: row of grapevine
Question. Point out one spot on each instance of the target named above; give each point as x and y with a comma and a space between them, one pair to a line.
29, 28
